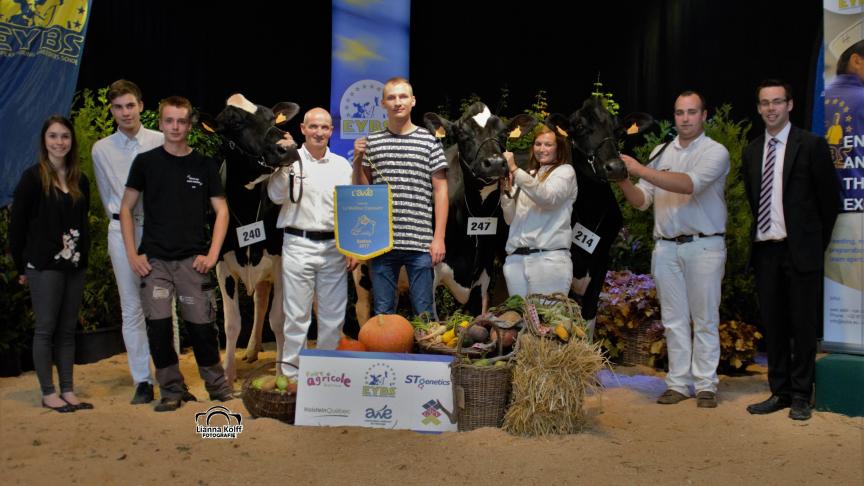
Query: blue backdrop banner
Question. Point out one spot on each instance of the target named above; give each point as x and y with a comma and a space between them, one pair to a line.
370, 46
40, 50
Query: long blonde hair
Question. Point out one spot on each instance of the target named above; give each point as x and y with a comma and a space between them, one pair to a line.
562, 150
49, 176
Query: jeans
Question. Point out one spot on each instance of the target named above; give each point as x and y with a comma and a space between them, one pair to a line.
56, 299
384, 272
688, 280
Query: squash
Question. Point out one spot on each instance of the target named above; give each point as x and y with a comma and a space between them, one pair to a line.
348, 344
388, 333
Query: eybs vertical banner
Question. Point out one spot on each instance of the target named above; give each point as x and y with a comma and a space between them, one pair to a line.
843, 112
370, 46
41, 43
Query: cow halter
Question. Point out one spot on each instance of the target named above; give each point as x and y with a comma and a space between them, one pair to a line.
591, 154
258, 158
466, 165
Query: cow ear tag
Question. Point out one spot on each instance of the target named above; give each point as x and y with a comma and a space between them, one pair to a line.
561, 131
516, 133
440, 132
207, 127
280, 119
633, 129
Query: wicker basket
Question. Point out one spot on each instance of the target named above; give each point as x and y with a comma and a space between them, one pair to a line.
480, 394
260, 403
637, 346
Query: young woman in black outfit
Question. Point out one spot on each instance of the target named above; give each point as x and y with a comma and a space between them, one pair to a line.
50, 241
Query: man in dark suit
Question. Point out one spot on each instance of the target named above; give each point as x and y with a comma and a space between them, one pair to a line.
793, 193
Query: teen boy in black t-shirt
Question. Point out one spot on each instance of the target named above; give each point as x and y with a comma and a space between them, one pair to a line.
175, 256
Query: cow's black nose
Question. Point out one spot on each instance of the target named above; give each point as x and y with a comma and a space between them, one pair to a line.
494, 166
615, 169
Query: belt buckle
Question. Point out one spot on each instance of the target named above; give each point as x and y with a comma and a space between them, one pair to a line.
684, 239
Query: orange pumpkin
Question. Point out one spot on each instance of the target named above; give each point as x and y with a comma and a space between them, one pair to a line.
388, 333
348, 344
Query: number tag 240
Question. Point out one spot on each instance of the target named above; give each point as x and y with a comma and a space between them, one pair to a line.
250, 233
482, 226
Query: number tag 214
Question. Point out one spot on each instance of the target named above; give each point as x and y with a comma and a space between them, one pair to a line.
585, 238
250, 233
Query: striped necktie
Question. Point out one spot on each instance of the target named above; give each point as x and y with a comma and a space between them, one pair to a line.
764, 219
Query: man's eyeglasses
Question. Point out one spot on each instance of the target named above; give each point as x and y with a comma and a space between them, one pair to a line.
774, 102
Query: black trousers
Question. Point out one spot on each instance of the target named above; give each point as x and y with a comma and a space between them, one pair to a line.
789, 303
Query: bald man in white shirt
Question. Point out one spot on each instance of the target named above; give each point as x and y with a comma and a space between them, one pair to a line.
312, 267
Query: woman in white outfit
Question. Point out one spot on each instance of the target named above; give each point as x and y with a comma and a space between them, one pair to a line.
537, 205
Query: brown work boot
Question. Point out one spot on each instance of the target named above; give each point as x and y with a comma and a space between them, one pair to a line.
706, 399
671, 397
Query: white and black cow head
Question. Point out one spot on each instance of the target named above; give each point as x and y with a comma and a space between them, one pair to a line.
480, 137
595, 134
252, 131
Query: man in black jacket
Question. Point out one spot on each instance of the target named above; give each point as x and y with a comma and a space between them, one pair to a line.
794, 196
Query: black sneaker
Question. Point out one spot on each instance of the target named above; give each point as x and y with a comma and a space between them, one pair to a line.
168, 405
143, 394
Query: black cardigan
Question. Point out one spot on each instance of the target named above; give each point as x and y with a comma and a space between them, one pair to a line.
40, 224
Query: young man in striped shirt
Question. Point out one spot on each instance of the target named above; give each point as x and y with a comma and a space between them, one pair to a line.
411, 160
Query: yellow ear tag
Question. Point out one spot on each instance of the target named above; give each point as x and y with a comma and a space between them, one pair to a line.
280, 118
632, 129
561, 131
440, 132
516, 133
208, 128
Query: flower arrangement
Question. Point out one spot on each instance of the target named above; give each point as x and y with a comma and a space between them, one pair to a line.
628, 303
737, 344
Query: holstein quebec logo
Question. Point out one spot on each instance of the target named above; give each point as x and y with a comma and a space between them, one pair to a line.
379, 381
218, 423
360, 109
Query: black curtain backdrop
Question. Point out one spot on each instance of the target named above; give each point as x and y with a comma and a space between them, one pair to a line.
645, 51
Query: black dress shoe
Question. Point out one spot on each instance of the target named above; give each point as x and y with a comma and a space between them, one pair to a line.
143, 394
80, 405
224, 396
61, 409
188, 397
168, 405
800, 410
771, 405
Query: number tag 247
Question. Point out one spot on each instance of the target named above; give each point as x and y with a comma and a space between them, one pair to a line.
250, 233
585, 238
482, 226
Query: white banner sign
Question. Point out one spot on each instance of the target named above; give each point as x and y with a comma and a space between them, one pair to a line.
379, 390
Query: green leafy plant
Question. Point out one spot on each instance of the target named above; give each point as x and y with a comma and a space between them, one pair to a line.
17, 322
606, 97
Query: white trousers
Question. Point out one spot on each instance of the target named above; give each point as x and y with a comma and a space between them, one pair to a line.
545, 272
128, 286
688, 280
312, 269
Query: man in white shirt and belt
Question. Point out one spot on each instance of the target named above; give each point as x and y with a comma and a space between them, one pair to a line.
112, 158
686, 184
312, 267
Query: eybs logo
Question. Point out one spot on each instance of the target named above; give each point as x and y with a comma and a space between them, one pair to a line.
360, 109
379, 381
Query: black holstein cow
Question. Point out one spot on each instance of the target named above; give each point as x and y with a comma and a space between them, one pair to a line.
475, 165
249, 134
595, 134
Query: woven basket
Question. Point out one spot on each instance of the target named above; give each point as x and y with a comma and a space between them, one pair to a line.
260, 403
480, 394
637, 346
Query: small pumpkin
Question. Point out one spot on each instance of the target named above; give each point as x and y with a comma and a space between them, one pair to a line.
348, 344
388, 333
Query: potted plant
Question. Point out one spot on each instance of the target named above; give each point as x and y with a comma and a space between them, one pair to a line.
16, 339
628, 319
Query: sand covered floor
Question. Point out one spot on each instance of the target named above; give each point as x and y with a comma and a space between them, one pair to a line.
629, 440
